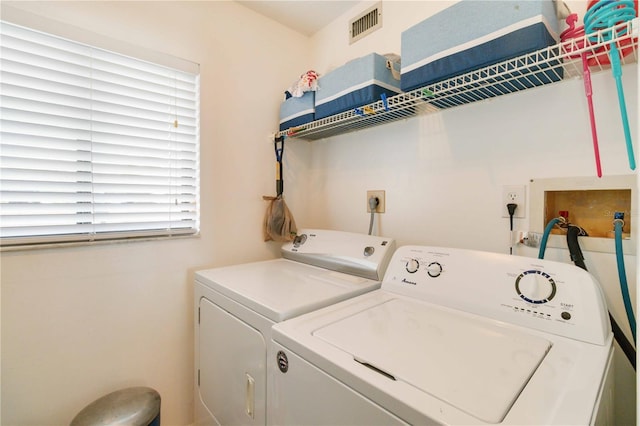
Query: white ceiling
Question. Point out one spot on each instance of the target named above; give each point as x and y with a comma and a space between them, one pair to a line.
303, 16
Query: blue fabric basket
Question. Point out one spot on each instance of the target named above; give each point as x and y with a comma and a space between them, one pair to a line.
295, 112
473, 34
359, 82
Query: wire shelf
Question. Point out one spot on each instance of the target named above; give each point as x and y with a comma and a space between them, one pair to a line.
546, 66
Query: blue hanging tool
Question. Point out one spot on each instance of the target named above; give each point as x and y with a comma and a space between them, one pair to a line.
601, 17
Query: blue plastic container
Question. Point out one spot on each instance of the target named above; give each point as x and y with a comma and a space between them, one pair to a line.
359, 82
473, 34
295, 112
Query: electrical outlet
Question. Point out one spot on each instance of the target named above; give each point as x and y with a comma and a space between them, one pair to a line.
513, 194
381, 200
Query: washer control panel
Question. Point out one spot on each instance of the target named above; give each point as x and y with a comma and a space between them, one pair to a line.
555, 297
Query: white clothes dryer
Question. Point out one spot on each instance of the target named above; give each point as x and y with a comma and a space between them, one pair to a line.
452, 337
236, 306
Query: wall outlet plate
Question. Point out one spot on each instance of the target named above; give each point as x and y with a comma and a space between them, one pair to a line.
381, 200
514, 194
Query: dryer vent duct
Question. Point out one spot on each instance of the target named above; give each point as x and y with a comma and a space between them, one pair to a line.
365, 23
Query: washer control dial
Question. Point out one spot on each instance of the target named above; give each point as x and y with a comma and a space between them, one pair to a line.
535, 286
434, 269
412, 266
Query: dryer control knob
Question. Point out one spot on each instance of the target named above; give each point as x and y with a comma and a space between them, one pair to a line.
412, 266
535, 286
299, 240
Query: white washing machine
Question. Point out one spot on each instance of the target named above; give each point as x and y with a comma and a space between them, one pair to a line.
236, 306
452, 337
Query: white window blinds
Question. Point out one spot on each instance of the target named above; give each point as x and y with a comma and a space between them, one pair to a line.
94, 145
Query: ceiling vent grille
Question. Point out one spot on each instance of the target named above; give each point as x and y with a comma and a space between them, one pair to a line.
366, 23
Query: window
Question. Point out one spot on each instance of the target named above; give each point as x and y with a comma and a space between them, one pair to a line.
94, 145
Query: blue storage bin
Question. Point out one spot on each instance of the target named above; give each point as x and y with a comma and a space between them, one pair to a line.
295, 112
359, 82
473, 34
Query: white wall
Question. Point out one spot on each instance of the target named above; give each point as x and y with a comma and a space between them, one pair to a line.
80, 322
443, 173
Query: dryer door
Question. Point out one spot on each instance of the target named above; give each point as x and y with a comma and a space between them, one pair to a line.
232, 367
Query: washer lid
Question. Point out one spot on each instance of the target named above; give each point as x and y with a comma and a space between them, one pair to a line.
476, 365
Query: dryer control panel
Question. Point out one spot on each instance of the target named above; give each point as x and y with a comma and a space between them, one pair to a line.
550, 296
363, 255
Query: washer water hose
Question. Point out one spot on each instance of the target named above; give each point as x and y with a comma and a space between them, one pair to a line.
576, 254
625, 344
573, 232
545, 234
618, 223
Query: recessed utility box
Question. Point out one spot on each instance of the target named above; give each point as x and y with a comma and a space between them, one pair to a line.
591, 209
589, 203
